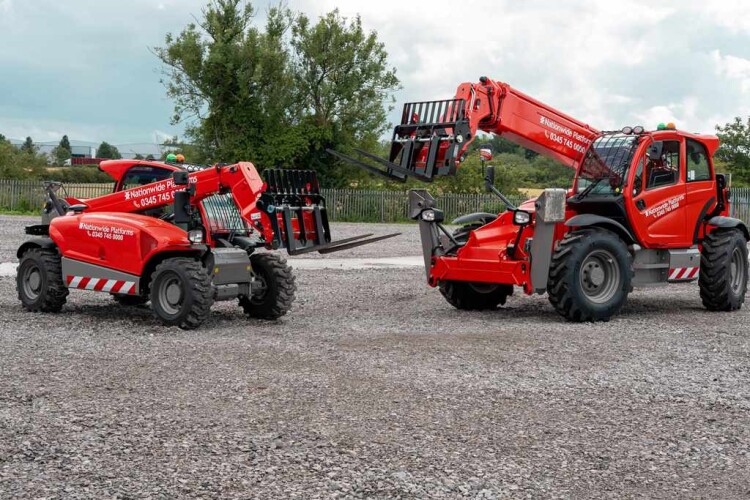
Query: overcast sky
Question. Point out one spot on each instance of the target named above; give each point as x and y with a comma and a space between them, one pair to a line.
83, 67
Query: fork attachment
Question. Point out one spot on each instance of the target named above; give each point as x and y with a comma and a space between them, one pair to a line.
298, 214
425, 144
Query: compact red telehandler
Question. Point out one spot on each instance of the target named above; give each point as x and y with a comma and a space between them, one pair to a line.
646, 208
180, 236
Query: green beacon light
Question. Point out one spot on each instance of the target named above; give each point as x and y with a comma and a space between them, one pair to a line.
661, 126
171, 158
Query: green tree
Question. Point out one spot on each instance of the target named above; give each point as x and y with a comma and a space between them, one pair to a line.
20, 164
65, 144
62, 151
106, 150
3, 138
734, 152
28, 146
344, 82
277, 95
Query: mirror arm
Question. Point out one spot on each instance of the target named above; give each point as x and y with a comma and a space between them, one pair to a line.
502, 197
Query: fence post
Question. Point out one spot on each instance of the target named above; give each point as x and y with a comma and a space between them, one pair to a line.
382, 206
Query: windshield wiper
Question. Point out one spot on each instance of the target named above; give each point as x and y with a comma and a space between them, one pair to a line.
588, 188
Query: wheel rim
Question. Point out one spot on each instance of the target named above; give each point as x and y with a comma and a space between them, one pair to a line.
171, 295
600, 276
32, 281
737, 271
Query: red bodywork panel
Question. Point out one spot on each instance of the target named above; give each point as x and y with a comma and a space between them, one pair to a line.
124, 242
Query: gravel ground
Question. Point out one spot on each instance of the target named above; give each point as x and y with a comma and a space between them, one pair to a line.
373, 386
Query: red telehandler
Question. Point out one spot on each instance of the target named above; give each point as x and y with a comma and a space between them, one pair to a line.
180, 236
645, 208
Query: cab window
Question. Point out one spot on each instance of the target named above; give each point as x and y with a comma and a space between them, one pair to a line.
638, 180
663, 167
142, 174
698, 168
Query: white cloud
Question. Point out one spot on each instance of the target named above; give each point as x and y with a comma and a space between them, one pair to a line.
588, 58
609, 63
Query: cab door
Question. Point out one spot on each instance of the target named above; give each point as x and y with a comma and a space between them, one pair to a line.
658, 194
701, 189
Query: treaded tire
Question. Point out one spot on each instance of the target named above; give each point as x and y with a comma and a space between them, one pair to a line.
566, 287
720, 289
39, 281
471, 296
129, 300
181, 293
277, 277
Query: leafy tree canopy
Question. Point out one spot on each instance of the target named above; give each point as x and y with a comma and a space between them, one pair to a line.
106, 150
278, 95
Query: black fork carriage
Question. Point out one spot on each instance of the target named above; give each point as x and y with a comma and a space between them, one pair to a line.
427, 128
289, 196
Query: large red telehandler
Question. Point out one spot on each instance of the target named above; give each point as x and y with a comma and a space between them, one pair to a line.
180, 236
645, 208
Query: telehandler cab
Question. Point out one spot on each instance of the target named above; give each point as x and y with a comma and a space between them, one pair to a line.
645, 208
180, 236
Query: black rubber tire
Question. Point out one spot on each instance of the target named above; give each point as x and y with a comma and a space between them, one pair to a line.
716, 280
196, 294
277, 277
49, 292
471, 296
564, 287
129, 300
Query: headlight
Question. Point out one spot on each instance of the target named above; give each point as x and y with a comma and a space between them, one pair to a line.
195, 236
521, 218
433, 215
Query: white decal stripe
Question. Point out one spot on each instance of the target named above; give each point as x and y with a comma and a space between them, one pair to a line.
696, 272
110, 284
92, 283
75, 281
127, 287
675, 272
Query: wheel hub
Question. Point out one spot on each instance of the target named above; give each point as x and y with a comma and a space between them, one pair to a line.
600, 276
174, 294
170, 295
35, 280
32, 282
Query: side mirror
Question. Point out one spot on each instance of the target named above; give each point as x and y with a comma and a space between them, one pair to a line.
489, 178
655, 150
181, 178
182, 211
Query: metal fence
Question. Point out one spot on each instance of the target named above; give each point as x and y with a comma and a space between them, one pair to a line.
344, 205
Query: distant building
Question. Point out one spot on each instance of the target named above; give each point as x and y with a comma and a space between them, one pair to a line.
82, 151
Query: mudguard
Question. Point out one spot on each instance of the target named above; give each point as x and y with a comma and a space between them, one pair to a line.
35, 243
729, 223
585, 220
